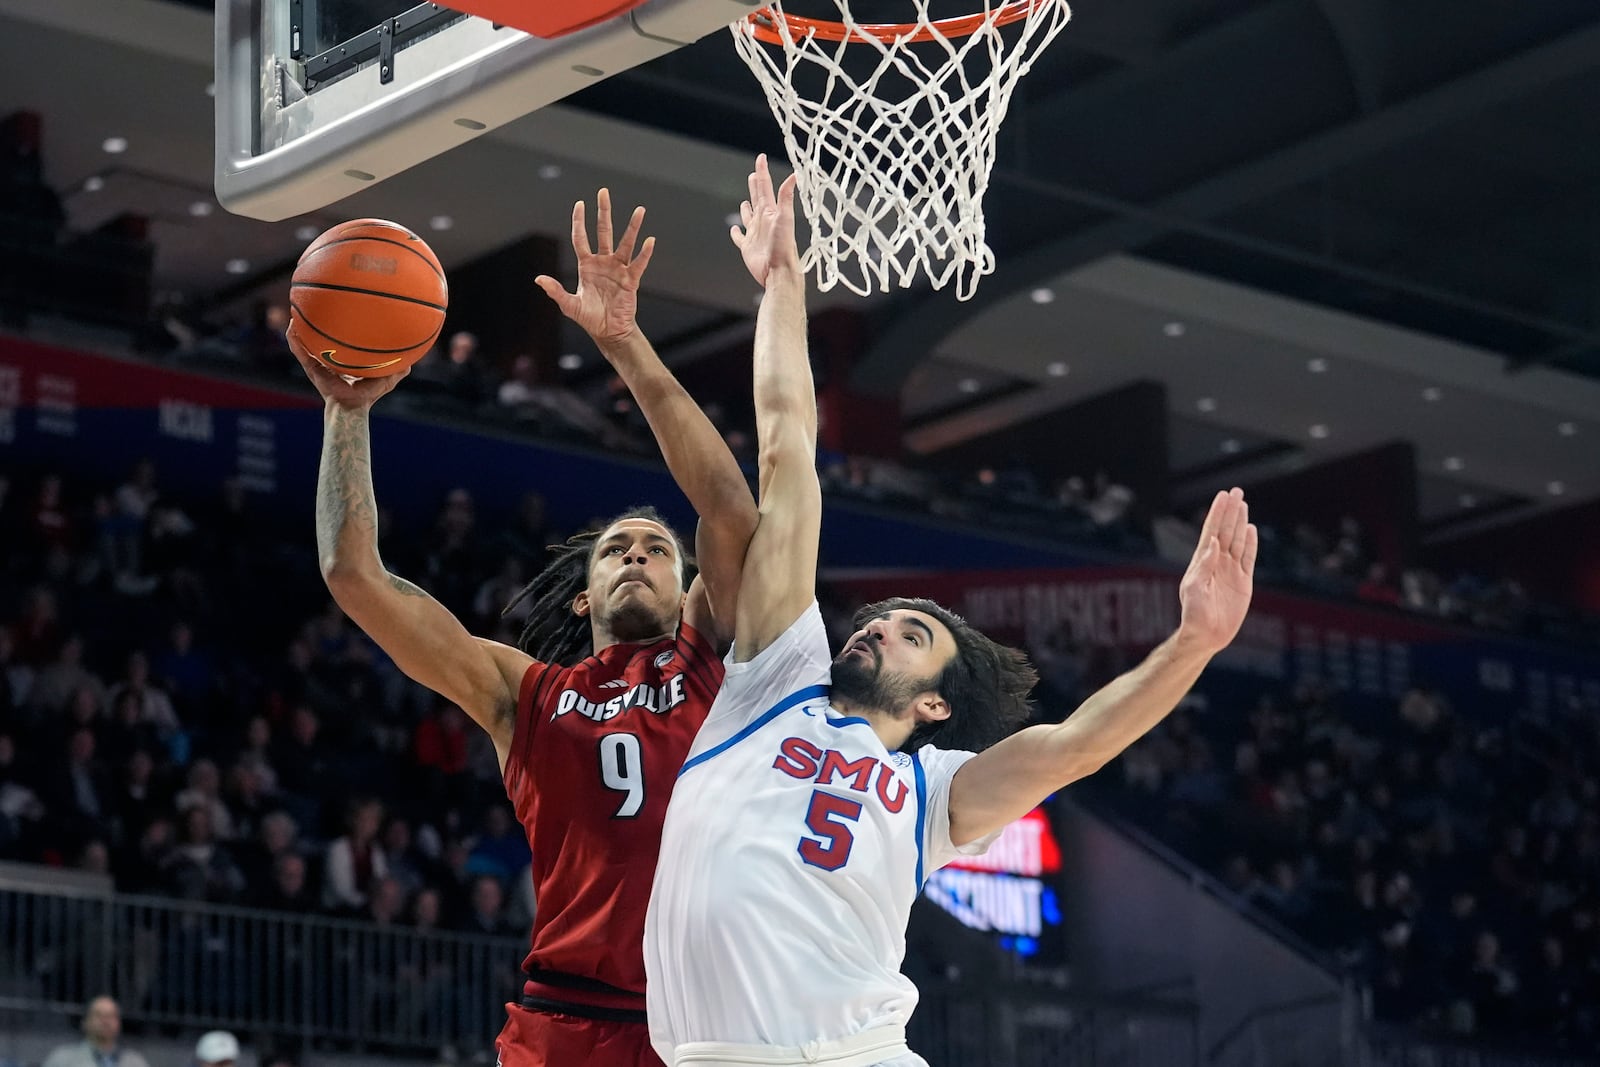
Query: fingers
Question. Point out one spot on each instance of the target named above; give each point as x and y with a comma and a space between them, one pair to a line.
1247, 558
642, 260
736, 234
580, 231
1228, 518
1236, 544
747, 213
630, 235
1213, 523
786, 199
602, 223
755, 192
557, 292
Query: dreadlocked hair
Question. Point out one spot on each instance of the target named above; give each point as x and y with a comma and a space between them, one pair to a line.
985, 683
553, 632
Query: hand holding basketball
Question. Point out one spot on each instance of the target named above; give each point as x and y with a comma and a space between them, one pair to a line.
608, 278
335, 388
766, 236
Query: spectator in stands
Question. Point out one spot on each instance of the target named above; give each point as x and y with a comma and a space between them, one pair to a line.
54, 685
77, 793
199, 868
487, 912
20, 808
102, 1044
288, 889
205, 792
138, 798
458, 372
501, 849
277, 835
155, 707
356, 860
408, 864
219, 1048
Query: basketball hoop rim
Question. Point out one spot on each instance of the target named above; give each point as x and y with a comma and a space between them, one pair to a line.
763, 27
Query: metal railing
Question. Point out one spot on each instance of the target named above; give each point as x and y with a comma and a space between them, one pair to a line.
1396, 1047
287, 975
303, 978
1022, 1026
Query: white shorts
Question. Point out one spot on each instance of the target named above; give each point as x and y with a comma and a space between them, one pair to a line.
884, 1047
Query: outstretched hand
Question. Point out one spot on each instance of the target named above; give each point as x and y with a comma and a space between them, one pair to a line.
765, 236
1216, 589
346, 392
607, 298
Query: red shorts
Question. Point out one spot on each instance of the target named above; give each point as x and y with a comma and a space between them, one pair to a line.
542, 1039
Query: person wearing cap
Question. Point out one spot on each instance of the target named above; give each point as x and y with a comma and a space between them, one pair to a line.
218, 1048
102, 1044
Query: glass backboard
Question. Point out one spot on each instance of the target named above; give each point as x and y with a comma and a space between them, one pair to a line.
318, 99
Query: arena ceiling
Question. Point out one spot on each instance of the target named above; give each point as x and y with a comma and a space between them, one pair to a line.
1372, 218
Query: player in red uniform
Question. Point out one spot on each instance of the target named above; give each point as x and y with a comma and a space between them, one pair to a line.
593, 713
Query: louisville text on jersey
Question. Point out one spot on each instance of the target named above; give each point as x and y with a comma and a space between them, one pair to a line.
656, 698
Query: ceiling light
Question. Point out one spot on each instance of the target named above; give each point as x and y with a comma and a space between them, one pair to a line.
1231, 446
1318, 430
1432, 394
1556, 488
211, 88
570, 361
305, 233
93, 183
115, 145
549, 172
1174, 329
1317, 366
1206, 404
441, 222
968, 385
200, 208
732, 218
1042, 296
1057, 369
1567, 429
237, 266
1453, 463
1468, 500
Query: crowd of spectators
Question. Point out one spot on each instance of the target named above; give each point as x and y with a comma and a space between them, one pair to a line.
1090, 508
182, 709
1451, 863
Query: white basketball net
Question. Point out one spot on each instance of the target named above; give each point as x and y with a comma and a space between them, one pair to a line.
893, 184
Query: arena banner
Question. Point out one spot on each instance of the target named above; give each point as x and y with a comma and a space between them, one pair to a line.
96, 415
1121, 612
1009, 891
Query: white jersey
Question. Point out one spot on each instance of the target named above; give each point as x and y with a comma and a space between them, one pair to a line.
794, 847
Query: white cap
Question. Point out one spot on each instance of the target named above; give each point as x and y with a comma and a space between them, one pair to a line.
216, 1047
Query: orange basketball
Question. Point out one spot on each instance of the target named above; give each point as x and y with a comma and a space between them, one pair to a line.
368, 298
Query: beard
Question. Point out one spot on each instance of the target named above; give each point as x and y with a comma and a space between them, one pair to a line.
868, 685
635, 620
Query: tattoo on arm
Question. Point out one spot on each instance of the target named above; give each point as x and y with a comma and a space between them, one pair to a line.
347, 515
404, 587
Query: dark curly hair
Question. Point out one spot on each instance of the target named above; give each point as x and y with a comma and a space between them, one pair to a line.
553, 633
985, 683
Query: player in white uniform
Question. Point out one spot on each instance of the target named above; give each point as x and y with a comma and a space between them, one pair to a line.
822, 791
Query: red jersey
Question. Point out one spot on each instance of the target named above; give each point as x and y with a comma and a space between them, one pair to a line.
594, 755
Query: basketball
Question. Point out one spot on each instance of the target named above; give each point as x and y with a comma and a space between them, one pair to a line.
368, 298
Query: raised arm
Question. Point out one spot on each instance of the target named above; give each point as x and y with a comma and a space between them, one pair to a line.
781, 576
1002, 784
424, 639
605, 305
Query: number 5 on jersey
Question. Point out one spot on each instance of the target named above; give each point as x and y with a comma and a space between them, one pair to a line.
622, 770
829, 817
